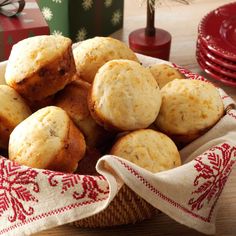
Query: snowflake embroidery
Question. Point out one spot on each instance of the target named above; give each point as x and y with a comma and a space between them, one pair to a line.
82, 186
81, 34
57, 1
15, 190
214, 168
116, 17
108, 3
87, 4
57, 32
47, 13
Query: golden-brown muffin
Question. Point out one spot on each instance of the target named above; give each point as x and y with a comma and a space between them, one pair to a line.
149, 149
164, 73
73, 99
91, 54
47, 139
124, 96
40, 66
189, 108
13, 110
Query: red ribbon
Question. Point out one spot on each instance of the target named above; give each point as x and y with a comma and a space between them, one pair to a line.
11, 7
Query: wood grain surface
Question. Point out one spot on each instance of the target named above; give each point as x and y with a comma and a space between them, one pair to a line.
182, 22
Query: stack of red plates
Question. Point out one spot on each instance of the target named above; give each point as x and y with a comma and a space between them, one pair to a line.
216, 44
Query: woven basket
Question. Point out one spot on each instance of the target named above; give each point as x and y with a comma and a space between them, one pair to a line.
126, 208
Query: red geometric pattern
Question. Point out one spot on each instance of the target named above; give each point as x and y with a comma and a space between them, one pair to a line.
220, 164
86, 186
84, 190
212, 175
189, 74
47, 214
232, 113
159, 194
17, 186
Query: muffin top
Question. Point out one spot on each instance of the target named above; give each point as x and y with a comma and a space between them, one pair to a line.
164, 73
189, 106
149, 149
41, 137
124, 95
91, 54
47, 139
31, 54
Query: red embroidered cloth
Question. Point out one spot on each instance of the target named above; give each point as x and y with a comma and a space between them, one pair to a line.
32, 200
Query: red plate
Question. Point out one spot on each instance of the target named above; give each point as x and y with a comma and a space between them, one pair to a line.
217, 59
217, 67
217, 31
216, 75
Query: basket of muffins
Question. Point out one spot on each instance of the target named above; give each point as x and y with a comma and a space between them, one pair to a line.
63, 108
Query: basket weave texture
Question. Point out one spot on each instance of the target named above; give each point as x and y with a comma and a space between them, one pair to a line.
126, 208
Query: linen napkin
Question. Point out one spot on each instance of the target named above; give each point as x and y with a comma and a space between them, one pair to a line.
32, 200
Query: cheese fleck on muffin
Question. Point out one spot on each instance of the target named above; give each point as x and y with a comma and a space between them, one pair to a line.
91, 54
124, 96
189, 108
149, 149
40, 66
47, 139
164, 73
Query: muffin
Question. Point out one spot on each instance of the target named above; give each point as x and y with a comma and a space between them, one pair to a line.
48, 140
149, 149
91, 54
189, 108
40, 66
124, 96
73, 99
164, 73
13, 110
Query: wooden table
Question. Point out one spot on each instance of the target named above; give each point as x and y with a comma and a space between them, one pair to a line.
182, 22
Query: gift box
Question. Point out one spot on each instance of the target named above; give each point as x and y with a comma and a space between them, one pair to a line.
29, 22
80, 20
